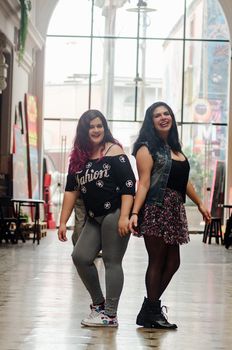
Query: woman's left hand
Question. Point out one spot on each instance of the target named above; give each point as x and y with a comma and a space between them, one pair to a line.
205, 213
123, 225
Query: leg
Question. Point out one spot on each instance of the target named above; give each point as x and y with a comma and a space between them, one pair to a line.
171, 266
163, 262
113, 250
84, 253
157, 253
80, 217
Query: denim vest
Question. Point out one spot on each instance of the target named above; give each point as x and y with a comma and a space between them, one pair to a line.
159, 174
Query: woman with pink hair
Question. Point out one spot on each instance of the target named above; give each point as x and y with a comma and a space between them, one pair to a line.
101, 172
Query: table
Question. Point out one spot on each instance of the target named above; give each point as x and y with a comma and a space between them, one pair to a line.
32, 203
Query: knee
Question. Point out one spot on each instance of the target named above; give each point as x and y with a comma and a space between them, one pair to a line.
174, 266
171, 266
109, 265
78, 259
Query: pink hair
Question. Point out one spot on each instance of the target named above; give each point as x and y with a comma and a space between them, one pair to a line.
78, 159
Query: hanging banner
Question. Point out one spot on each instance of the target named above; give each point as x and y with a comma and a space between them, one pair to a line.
32, 145
20, 169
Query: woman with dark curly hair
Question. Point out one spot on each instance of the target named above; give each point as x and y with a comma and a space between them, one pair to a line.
159, 205
101, 172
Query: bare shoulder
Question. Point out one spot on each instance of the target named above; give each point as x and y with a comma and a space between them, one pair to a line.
115, 150
144, 159
143, 152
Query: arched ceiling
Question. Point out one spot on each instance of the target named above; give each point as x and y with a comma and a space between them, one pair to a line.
44, 11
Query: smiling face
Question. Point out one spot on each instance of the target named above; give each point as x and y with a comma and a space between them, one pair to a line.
162, 121
96, 132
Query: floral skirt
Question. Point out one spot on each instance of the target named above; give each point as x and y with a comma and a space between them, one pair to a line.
168, 221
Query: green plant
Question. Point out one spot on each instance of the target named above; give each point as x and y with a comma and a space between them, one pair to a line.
25, 6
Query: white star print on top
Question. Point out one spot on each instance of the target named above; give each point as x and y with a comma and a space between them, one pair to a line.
107, 205
99, 183
129, 183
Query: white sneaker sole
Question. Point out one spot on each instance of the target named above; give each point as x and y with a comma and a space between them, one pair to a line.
88, 324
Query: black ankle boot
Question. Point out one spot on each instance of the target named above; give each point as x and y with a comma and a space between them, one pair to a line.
152, 316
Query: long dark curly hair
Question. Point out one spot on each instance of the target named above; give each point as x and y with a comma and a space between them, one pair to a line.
149, 134
82, 148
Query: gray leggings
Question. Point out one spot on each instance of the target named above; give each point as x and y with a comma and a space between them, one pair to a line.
102, 234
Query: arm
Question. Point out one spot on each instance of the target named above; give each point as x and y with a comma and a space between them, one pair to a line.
123, 223
191, 193
67, 207
144, 163
125, 179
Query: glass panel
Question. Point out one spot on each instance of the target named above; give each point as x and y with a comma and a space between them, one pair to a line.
66, 77
55, 131
58, 140
72, 17
204, 145
206, 82
120, 18
111, 18
66, 57
163, 70
65, 100
162, 19
205, 148
113, 86
205, 20
155, 81
125, 133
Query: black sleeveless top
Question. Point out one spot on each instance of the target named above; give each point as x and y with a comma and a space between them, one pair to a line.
178, 177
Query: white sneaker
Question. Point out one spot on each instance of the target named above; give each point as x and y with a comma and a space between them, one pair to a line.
95, 309
100, 320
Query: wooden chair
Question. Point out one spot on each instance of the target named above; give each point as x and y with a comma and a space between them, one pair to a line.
213, 229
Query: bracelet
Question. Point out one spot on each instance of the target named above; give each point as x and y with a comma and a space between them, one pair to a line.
134, 214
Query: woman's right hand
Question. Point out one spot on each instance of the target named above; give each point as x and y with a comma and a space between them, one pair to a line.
62, 233
205, 213
133, 224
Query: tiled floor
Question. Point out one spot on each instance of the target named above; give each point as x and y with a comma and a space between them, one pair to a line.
42, 300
